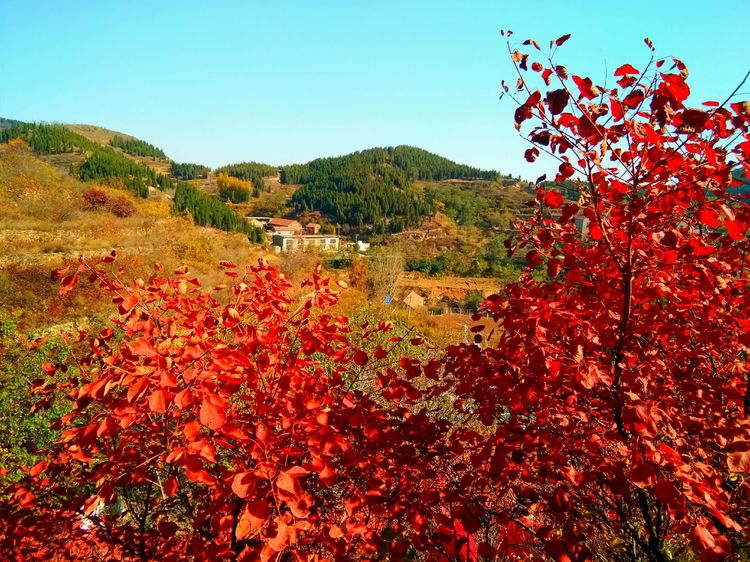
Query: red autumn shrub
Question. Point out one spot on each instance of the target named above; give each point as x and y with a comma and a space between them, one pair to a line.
95, 198
224, 424
122, 207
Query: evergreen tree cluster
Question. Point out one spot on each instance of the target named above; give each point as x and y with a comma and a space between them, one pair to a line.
187, 171
137, 147
419, 164
106, 163
48, 139
249, 170
253, 172
102, 162
371, 189
209, 211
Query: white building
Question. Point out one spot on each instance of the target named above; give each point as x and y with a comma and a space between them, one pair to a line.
293, 243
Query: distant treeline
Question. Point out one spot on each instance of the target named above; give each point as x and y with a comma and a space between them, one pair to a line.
4, 123
48, 139
102, 162
186, 171
209, 211
251, 171
137, 147
248, 170
372, 189
419, 164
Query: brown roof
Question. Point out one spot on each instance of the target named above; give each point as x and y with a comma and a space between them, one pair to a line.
283, 222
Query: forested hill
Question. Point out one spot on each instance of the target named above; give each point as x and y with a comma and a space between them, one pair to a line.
372, 189
98, 162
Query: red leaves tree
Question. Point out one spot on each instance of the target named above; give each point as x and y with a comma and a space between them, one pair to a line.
618, 425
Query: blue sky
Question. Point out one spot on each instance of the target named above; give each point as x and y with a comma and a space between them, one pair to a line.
281, 81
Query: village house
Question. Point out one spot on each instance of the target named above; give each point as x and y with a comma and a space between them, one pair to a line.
280, 226
292, 243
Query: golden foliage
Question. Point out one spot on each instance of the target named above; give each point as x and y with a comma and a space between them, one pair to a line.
154, 209
223, 180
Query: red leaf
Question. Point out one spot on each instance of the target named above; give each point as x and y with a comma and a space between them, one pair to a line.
674, 86
643, 474
253, 517
67, 284
633, 99
24, 497
170, 486
157, 402
244, 483
360, 357
38, 468
560, 40
58, 274
142, 346
554, 199
595, 233
212, 416
586, 87
625, 69
288, 482
280, 540
557, 100
735, 229
710, 217
128, 303
566, 170
703, 538
739, 461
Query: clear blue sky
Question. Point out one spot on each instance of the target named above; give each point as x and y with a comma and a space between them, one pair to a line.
281, 81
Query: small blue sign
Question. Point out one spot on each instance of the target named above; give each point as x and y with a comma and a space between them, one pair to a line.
388, 299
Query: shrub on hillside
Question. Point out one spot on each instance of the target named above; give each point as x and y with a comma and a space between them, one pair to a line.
95, 198
122, 207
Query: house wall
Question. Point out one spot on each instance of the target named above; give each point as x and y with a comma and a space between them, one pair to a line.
294, 243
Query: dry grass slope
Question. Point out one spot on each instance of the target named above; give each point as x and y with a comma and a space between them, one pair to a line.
43, 225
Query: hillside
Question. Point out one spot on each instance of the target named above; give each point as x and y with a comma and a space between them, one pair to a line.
446, 218
45, 222
373, 190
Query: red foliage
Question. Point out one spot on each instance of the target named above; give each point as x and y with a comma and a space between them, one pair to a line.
122, 207
619, 420
222, 425
611, 420
95, 198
